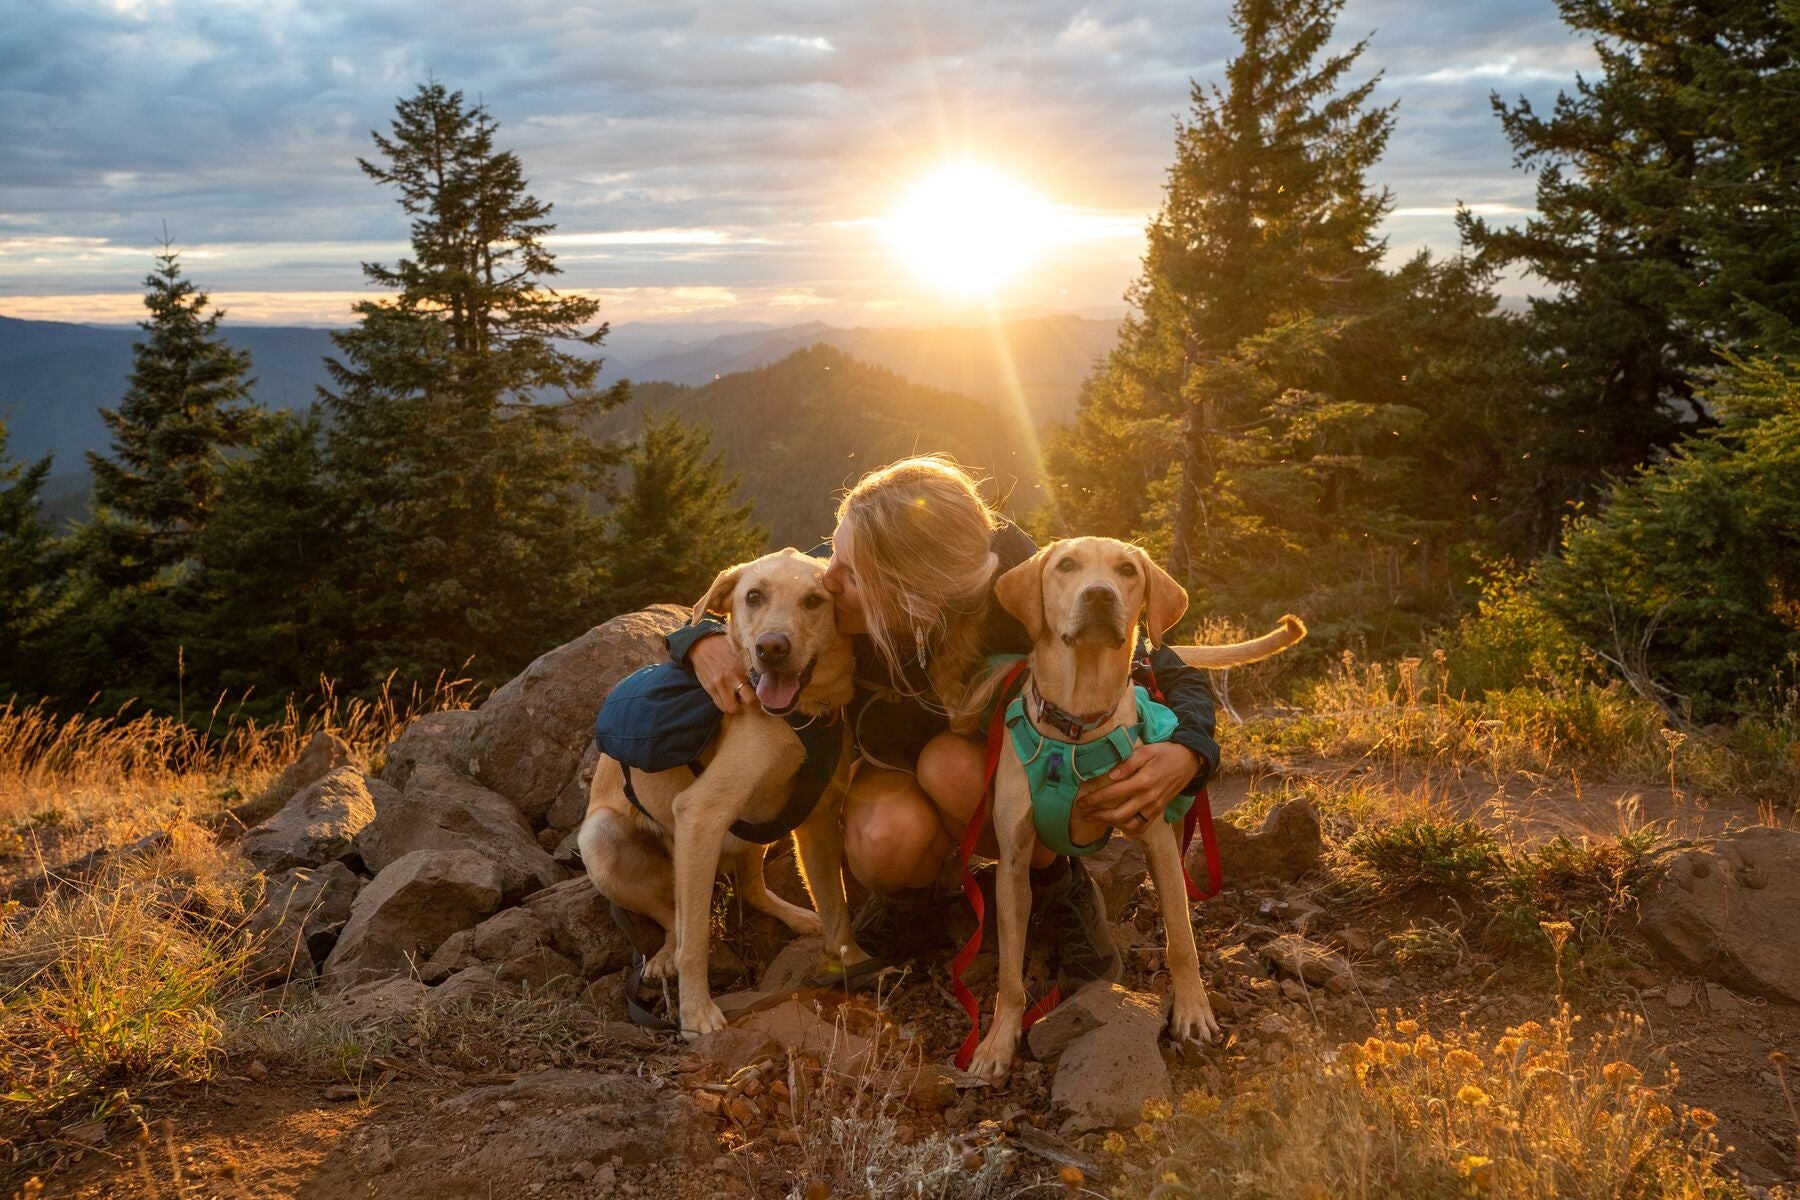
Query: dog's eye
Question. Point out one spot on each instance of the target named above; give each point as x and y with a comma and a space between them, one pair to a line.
752, 598
813, 600
1067, 564
1128, 569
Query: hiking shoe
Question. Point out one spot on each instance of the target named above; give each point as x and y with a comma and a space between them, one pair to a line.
899, 927
1070, 916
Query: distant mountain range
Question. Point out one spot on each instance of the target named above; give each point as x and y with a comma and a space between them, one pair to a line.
55, 376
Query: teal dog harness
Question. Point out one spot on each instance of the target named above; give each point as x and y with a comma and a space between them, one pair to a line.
1055, 770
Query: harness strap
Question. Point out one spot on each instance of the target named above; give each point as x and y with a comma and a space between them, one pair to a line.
996, 741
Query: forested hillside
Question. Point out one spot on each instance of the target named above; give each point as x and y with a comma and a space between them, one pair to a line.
799, 431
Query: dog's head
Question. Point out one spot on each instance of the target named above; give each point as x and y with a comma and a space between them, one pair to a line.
1089, 591
781, 623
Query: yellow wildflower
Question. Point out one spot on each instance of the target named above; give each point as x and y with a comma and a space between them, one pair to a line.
1199, 1102
1658, 1114
1157, 1110
1473, 1096
1407, 1028
1463, 1060
1145, 1131
1704, 1118
1114, 1143
1620, 1073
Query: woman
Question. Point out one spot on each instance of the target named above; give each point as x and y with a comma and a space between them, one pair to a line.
913, 564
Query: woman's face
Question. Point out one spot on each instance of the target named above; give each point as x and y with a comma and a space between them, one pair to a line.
840, 581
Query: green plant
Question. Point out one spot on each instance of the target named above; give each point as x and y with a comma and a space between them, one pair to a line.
1419, 852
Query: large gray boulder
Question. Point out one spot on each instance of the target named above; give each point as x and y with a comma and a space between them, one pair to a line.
442, 810
319, 824
439, 739
581, 926
1731, 911
408, 910
324, 752
1105, 1075
302, 912
530, 737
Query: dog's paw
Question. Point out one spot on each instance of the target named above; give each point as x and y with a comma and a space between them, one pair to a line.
1193, 1020
701, 1019
992, 1061
803, 921
661, 965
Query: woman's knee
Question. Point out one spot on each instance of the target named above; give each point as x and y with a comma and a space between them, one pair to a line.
892, 836
953, 774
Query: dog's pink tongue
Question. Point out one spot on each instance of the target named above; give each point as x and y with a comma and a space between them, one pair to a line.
777, 691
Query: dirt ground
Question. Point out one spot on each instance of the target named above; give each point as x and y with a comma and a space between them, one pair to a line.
421, 1131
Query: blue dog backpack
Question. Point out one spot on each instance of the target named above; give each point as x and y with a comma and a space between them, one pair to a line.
656, 719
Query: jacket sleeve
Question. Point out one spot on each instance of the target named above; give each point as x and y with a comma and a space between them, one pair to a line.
683, 640
1189, 695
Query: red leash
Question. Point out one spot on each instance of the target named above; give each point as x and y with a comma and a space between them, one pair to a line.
971, 834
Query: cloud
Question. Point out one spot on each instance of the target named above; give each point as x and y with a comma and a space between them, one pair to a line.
720, 146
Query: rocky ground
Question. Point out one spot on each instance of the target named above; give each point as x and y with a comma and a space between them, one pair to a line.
426, 922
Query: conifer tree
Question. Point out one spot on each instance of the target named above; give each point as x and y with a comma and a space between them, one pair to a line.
679, 523
28, 568
1665, 224
456, 422
188, 404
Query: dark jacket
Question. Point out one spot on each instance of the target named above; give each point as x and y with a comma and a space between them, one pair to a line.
891, 728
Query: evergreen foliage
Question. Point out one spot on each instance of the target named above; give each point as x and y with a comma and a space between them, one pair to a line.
679, 523
456, 427
1688, 577
1665, 224
29, 567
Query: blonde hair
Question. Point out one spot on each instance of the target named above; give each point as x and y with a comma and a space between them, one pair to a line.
919, 542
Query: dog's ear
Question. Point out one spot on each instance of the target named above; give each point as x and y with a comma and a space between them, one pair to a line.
1165, 598
1021, 592
718, 596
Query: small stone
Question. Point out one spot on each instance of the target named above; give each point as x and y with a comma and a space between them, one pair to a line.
340, 1092
709, 1102
1292, 991
257, 1071
1640, 978
1679, 995
380, 1153
507, 1107
88, 1133
723, 1164
1352, 941
1720, 999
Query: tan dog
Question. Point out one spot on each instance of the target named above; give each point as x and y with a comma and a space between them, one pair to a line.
663, 865
1079, 600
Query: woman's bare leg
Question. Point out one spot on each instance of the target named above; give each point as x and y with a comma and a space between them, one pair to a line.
893, 837
953, 776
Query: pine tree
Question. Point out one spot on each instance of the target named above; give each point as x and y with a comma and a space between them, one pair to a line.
1665, 224
29, 569
679, 523
455, 431
186, 410
187, 406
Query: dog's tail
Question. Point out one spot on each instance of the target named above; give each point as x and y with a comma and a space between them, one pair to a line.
1238, 653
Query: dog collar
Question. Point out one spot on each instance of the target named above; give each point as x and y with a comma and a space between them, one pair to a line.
1064, 722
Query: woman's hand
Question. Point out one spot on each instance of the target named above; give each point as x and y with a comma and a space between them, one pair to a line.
1140, 788
720, 671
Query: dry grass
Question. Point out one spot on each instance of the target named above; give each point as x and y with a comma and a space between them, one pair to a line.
1539, 1112
1405, 714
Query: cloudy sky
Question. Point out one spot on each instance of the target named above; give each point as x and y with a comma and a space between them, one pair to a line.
737, 161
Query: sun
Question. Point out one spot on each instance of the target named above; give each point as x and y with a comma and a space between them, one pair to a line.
968, 228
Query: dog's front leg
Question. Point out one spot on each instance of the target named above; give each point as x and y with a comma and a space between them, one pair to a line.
820, 842
1012, 896
1191, 1014
701, 819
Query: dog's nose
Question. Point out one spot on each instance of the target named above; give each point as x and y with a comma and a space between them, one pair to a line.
1098, 596
773, 647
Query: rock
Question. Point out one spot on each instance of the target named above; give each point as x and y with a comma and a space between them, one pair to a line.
1118, 869
568, 852
570, 808
1720, 1000
469, 985
1302, 958
1104, 1077
731, 1049
1353, 941
799, 961
301, 914
737, 1004
1286, 846
581, 928
1679, 995
796, 1025
507, 934
627, 1036
376, 1000
408, 910
530, 737
541, 970
1726, 911
439, 739
320, 823
560, 1118
378, 1152
1077, 1016
457, 953
323, 753
441, 810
